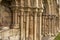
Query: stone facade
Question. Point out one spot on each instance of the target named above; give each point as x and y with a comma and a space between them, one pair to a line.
33, 19
50, 17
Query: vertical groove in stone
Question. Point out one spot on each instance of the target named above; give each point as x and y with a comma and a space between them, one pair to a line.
22, 24
16, 13
54, 26
51, 25
13, 16
25, 15
46, 24
42, 25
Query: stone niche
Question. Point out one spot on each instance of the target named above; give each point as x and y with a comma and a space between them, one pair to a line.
5, 14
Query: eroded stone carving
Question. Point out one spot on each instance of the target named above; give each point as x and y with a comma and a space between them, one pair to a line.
5, 15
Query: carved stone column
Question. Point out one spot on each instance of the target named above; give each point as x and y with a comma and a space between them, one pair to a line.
51, 13
30, 17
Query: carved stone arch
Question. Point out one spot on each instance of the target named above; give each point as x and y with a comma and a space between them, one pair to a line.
9, 5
